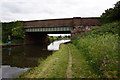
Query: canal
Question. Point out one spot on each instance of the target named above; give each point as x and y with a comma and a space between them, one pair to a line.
16, 60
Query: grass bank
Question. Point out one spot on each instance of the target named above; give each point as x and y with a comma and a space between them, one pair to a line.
80, 68
54, 66
100, 49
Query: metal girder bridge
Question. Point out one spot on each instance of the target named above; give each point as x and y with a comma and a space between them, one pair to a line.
48, 29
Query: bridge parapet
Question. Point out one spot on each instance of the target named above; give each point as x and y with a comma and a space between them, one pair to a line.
65, 22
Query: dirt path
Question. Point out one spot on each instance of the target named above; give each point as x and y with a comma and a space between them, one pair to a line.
69, 71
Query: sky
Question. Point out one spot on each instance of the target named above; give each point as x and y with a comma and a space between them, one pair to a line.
25, 10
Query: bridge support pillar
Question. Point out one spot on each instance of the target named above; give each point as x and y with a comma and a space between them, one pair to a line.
35, 38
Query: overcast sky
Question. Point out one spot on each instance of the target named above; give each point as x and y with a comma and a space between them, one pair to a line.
12, 10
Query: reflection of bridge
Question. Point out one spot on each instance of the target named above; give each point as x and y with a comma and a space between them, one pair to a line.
36, 31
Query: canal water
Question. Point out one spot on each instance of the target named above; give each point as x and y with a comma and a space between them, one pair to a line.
16, 60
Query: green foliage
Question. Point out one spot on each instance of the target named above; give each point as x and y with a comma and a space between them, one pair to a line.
51, 39
17, 32
100, 47
112, 14
14, 29
112, 28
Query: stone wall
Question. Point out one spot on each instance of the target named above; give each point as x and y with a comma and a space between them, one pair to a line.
81, 30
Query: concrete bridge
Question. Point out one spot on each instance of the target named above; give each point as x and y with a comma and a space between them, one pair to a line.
36, 31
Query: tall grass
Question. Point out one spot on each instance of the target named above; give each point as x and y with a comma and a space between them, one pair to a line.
80, 68
100, 48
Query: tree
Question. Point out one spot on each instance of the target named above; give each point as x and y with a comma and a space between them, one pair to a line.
117, 5
17, 32
112, 14
7, 29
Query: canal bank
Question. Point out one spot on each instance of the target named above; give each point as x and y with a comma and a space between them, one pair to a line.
65, 63
54, 66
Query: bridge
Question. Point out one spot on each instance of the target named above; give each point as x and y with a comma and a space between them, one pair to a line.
36, 31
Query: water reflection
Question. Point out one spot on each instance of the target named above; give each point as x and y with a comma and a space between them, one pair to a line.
19, 59
24, 56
